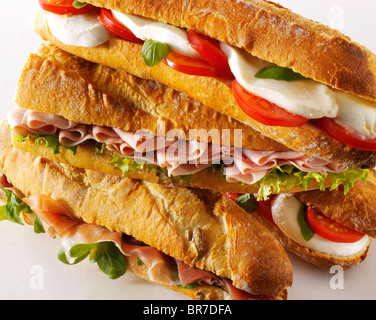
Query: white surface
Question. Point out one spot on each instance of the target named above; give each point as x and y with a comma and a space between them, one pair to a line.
29, 268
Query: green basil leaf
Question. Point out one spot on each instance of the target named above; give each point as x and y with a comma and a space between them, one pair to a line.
139, 262
247, 202
305, 229
153, 52
279, 73
79, 4
109, 258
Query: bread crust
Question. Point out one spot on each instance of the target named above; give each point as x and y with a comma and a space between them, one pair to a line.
214, 93
122, 101
131, 206
270, 32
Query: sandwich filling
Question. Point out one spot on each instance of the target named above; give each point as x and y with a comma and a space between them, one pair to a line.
305, 226
182, 158
106, 248
281, 97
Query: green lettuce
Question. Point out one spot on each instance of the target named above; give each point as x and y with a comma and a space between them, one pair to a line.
106, 254
279, 180
286, 177
50, 141
129, 165
12, 210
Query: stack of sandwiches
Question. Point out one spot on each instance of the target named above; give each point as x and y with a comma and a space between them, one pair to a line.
194, 143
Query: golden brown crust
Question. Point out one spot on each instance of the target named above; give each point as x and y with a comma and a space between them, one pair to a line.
86, 158
322, 260
216, 94
132, 206
270, 32
355, 210
122, 100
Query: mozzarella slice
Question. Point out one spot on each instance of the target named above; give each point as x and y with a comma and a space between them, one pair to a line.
307, 98
148, 29
83, 30
285, 210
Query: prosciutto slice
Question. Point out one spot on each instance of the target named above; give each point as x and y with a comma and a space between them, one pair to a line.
58, 223
71, 231
180, 157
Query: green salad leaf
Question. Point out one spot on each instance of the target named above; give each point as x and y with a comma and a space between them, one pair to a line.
13, 207
286, 177
106, 254
51, 141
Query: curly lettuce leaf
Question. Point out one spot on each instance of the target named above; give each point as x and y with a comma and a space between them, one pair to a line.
286, 177
50, 141
129, 165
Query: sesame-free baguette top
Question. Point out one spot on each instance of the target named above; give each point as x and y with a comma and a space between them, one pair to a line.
96, 94
213, 93
203, 229
270, 32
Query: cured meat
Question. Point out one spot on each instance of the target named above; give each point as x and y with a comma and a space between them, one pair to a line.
180, 157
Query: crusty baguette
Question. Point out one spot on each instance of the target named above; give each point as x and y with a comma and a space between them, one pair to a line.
203, 229
356, 209
270, 32
322, 260
121, 100
214, 93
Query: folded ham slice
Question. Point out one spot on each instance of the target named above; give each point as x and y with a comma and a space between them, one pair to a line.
180, 157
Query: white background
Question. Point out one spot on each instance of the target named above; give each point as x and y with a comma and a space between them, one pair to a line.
24, 255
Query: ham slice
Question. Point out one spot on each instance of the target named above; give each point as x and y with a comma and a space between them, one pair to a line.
180, 157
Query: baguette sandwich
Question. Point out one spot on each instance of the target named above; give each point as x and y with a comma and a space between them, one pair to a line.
294, 80
98, 118
49, 119
194, 242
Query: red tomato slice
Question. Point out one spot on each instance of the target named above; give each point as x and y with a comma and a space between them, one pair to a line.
264, 111
330, 229
344, 135
233, 196
114, 26
265, 209
209, 50
65, 7
191, 66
